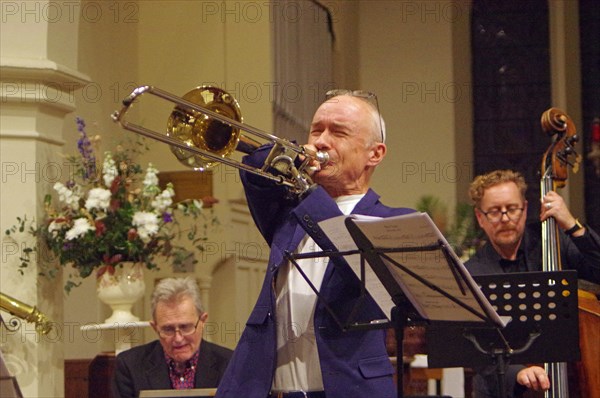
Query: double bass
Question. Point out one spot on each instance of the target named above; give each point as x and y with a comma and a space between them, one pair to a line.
558, 158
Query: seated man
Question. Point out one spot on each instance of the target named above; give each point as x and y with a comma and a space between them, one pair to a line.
179, 359
514, 246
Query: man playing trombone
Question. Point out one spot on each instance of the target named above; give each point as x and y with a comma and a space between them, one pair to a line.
291, 345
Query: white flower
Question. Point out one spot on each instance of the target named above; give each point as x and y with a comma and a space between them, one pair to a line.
150, 181
98, 198
68, 196
80, 227
55, 226
164, 200
198, 204
109, 169
147, 224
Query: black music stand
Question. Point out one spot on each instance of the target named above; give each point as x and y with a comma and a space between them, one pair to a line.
417, 297
544, 327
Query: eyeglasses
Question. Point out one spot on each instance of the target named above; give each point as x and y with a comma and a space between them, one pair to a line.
495, 215
365, 95
184, 330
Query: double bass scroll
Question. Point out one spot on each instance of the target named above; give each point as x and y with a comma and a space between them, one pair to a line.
557, 158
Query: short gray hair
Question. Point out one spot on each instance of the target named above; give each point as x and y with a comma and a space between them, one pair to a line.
175, 289
379, 133
378, 130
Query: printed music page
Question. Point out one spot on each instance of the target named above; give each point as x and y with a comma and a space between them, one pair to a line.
336, 231
414, 230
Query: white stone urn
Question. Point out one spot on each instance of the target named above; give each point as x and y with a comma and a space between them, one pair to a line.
120, 290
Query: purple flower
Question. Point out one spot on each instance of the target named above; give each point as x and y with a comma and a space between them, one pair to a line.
85, 149
167, 217
80, 124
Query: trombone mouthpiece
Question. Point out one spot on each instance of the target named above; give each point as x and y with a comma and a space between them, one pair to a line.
322, 157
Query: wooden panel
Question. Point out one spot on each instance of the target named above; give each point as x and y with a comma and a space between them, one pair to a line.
100, 373
188, 184
588, 369
76, 378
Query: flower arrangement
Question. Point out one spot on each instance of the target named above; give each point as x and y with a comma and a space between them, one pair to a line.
111, 211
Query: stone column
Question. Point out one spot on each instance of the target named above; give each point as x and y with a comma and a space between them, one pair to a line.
38, 77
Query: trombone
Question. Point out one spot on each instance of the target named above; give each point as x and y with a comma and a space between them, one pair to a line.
205, 128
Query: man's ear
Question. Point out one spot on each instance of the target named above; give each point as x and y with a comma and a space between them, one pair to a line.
204, 317
377, 153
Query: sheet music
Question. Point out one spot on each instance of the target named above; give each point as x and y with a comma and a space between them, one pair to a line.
336, 231
408, 231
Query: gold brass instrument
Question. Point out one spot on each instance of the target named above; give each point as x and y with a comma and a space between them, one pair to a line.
25, 312
204, 129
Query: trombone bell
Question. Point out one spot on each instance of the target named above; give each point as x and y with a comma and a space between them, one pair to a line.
201, 131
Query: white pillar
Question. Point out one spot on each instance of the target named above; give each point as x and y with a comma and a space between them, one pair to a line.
38, 53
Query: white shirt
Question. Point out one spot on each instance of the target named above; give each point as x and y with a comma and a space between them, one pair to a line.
298, 366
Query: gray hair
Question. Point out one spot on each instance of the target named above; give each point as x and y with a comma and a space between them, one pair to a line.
378, 130
173, 290
381, 124
379, 133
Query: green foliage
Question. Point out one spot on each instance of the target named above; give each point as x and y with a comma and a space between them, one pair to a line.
462, 234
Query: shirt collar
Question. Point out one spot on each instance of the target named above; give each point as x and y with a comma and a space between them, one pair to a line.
192, 362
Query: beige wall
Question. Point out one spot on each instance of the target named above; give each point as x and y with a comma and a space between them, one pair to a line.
407, 56
416, 59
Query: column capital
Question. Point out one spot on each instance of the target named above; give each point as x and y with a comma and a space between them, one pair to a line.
39, 82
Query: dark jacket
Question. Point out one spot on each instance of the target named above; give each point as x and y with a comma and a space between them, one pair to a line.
353, 363
579, 253
144, 368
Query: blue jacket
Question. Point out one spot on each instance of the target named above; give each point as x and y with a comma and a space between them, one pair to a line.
353, 363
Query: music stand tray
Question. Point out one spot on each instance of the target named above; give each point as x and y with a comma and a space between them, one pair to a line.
544, 326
